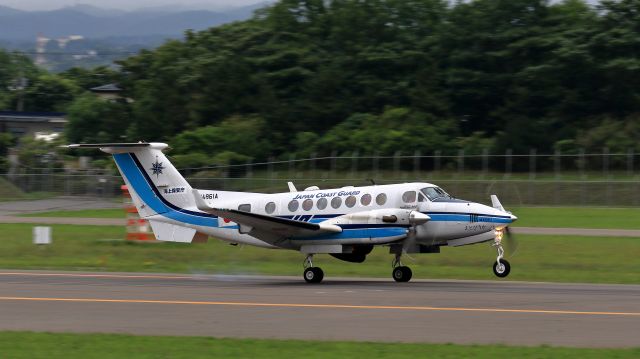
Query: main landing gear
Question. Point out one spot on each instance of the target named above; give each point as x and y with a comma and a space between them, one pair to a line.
400, 273
312, 274
501, 268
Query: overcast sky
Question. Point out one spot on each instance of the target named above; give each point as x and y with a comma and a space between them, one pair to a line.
121, 4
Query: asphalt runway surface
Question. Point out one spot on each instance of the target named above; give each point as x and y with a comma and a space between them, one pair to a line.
588, 232
64, 203
438, 311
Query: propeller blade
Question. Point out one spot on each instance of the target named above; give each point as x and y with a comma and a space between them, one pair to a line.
510, 242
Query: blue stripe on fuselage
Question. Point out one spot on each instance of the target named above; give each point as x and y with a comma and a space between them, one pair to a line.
149, 194
359, 233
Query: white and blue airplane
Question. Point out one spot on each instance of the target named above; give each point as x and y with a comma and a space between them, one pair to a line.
344, 222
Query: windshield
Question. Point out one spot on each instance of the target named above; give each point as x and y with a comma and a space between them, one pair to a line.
434, 193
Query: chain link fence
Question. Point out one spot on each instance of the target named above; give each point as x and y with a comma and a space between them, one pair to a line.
577, 179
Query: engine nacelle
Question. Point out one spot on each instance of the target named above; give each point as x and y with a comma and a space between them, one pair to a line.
398, 216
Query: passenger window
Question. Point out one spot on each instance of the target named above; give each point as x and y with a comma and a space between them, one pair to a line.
270, 207
322, 203
293, 206
421, 198
409, 197
365, 200
307, 204
244, 208
350, 201
336, 202
381, 199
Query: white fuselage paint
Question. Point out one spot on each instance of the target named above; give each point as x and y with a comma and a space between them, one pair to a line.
450, 219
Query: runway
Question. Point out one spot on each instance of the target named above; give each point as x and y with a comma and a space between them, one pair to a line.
438, 311
588, 232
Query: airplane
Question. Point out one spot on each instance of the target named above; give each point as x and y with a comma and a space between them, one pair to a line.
346, 223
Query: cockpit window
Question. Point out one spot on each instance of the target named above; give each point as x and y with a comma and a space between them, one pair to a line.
435, 193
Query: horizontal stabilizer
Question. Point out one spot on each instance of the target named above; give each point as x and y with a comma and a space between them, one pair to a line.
120, 147
101, 145
172, 233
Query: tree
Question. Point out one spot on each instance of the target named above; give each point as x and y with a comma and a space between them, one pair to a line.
94, 120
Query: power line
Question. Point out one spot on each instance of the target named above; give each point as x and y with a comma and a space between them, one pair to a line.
78, 53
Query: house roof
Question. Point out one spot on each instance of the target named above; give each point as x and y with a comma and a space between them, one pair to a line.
15, 116
106, 88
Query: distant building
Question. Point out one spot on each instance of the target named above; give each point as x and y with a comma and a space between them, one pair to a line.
109, 92
41, 125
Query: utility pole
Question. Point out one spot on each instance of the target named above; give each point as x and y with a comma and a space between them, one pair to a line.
19, 84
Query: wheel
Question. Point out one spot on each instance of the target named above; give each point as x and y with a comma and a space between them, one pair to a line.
313, 275
402, 274
501, 269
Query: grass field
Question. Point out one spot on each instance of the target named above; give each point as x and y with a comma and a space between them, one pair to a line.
572, 217
85, 213
577, 217
17, 345
539, 258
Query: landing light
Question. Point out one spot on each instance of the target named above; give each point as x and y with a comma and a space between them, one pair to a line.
499, 235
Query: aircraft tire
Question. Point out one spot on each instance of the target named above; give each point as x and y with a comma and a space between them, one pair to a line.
402, 274
313, 275
501, 272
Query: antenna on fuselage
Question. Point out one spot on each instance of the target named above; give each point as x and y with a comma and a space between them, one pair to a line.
372, 181
292, 188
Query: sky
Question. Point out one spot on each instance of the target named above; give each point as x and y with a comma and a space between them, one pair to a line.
122, 4
136, 4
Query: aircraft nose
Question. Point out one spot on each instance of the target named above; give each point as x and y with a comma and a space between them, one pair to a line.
513, 218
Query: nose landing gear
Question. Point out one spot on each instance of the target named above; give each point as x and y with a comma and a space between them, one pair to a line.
312, 274
400, 273
501, 268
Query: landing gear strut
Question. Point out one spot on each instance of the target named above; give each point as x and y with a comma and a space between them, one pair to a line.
312, 274
501, 267
400, 273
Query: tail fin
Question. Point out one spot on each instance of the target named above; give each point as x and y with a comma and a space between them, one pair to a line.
155, 185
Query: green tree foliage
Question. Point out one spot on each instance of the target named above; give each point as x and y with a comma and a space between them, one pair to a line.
396, 129
235, 140
92, 119
306, 77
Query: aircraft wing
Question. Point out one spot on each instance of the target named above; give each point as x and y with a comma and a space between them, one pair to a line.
268, 228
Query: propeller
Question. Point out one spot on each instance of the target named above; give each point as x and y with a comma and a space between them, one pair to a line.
510, 243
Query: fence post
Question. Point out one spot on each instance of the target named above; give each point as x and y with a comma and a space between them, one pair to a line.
508, 163
583, 176
396, 165
334, 159
556, 164
354, 163
292, 161
436, 161
249, 174
313, 165
605, 172
416, 164
485, 163
460, 162
630, 162
376, 159
532, 173
605, 162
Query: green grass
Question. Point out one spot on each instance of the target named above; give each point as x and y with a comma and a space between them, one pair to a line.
578, 217
571, 217
539, 258
85, 213
17, 345
10, 192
